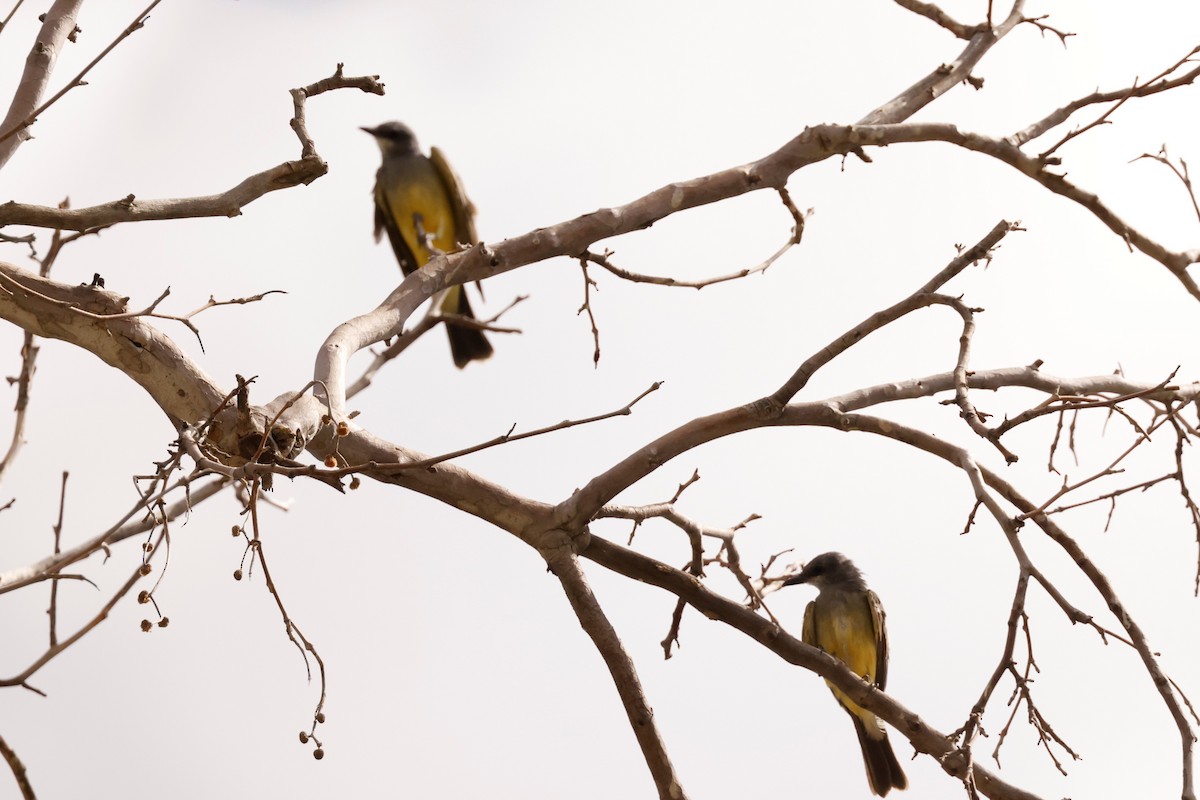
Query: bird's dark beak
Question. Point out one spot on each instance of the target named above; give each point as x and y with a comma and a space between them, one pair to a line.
369, 130
799, 577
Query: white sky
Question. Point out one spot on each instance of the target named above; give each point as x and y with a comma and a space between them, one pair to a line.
455, 666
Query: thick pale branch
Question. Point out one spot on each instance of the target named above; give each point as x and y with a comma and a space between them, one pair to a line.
47, 309
946, 76
575, 236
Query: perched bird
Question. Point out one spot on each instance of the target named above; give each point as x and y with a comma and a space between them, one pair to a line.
420, 202
847, 622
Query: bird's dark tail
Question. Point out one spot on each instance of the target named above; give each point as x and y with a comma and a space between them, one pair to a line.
883, 770
466, 344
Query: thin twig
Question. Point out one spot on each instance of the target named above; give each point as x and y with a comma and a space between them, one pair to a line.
295, 635
53, 610
21, 678
29, 353
921, 298
1181, 171
1152, 86
254, 469
11, 13
605, 259
588, 284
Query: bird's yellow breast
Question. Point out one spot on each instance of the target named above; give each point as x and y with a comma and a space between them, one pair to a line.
420, 198
851, 638
842, 625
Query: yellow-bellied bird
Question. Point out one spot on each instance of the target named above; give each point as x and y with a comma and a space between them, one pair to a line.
420, 202
847, 622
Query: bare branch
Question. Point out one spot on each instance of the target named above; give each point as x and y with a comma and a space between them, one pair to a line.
565, 566
948, 75
605, 260
974, 723
369, 84
227, 204
151, 312
77, 81
1181, 171
1044, 28
40, 306
129, 209
29, 353
940, 17
1002, 150
11, 13
923, 737
727, 555
124, 529
21, 678
1097, 578
253, 468
588, 284
10, 755
1159, 83
432, 318
921, 298
974, 419
53, 610
295, 635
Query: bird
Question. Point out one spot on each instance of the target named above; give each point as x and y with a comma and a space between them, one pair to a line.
420, 202
846, 620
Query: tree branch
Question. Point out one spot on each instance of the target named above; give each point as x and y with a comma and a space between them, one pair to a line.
923, 737
18, 770
77, 81
565, 566
58, 24
226, 204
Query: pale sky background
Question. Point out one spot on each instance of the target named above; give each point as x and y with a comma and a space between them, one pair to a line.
456, 668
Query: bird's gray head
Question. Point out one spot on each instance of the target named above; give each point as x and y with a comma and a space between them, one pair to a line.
828, 569
395, 138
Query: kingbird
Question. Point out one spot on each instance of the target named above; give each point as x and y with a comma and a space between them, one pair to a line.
420, 202
847, 622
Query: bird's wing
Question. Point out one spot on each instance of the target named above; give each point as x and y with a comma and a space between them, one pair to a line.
809, 633
379, 219
385, 220
881, 639
464, 209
